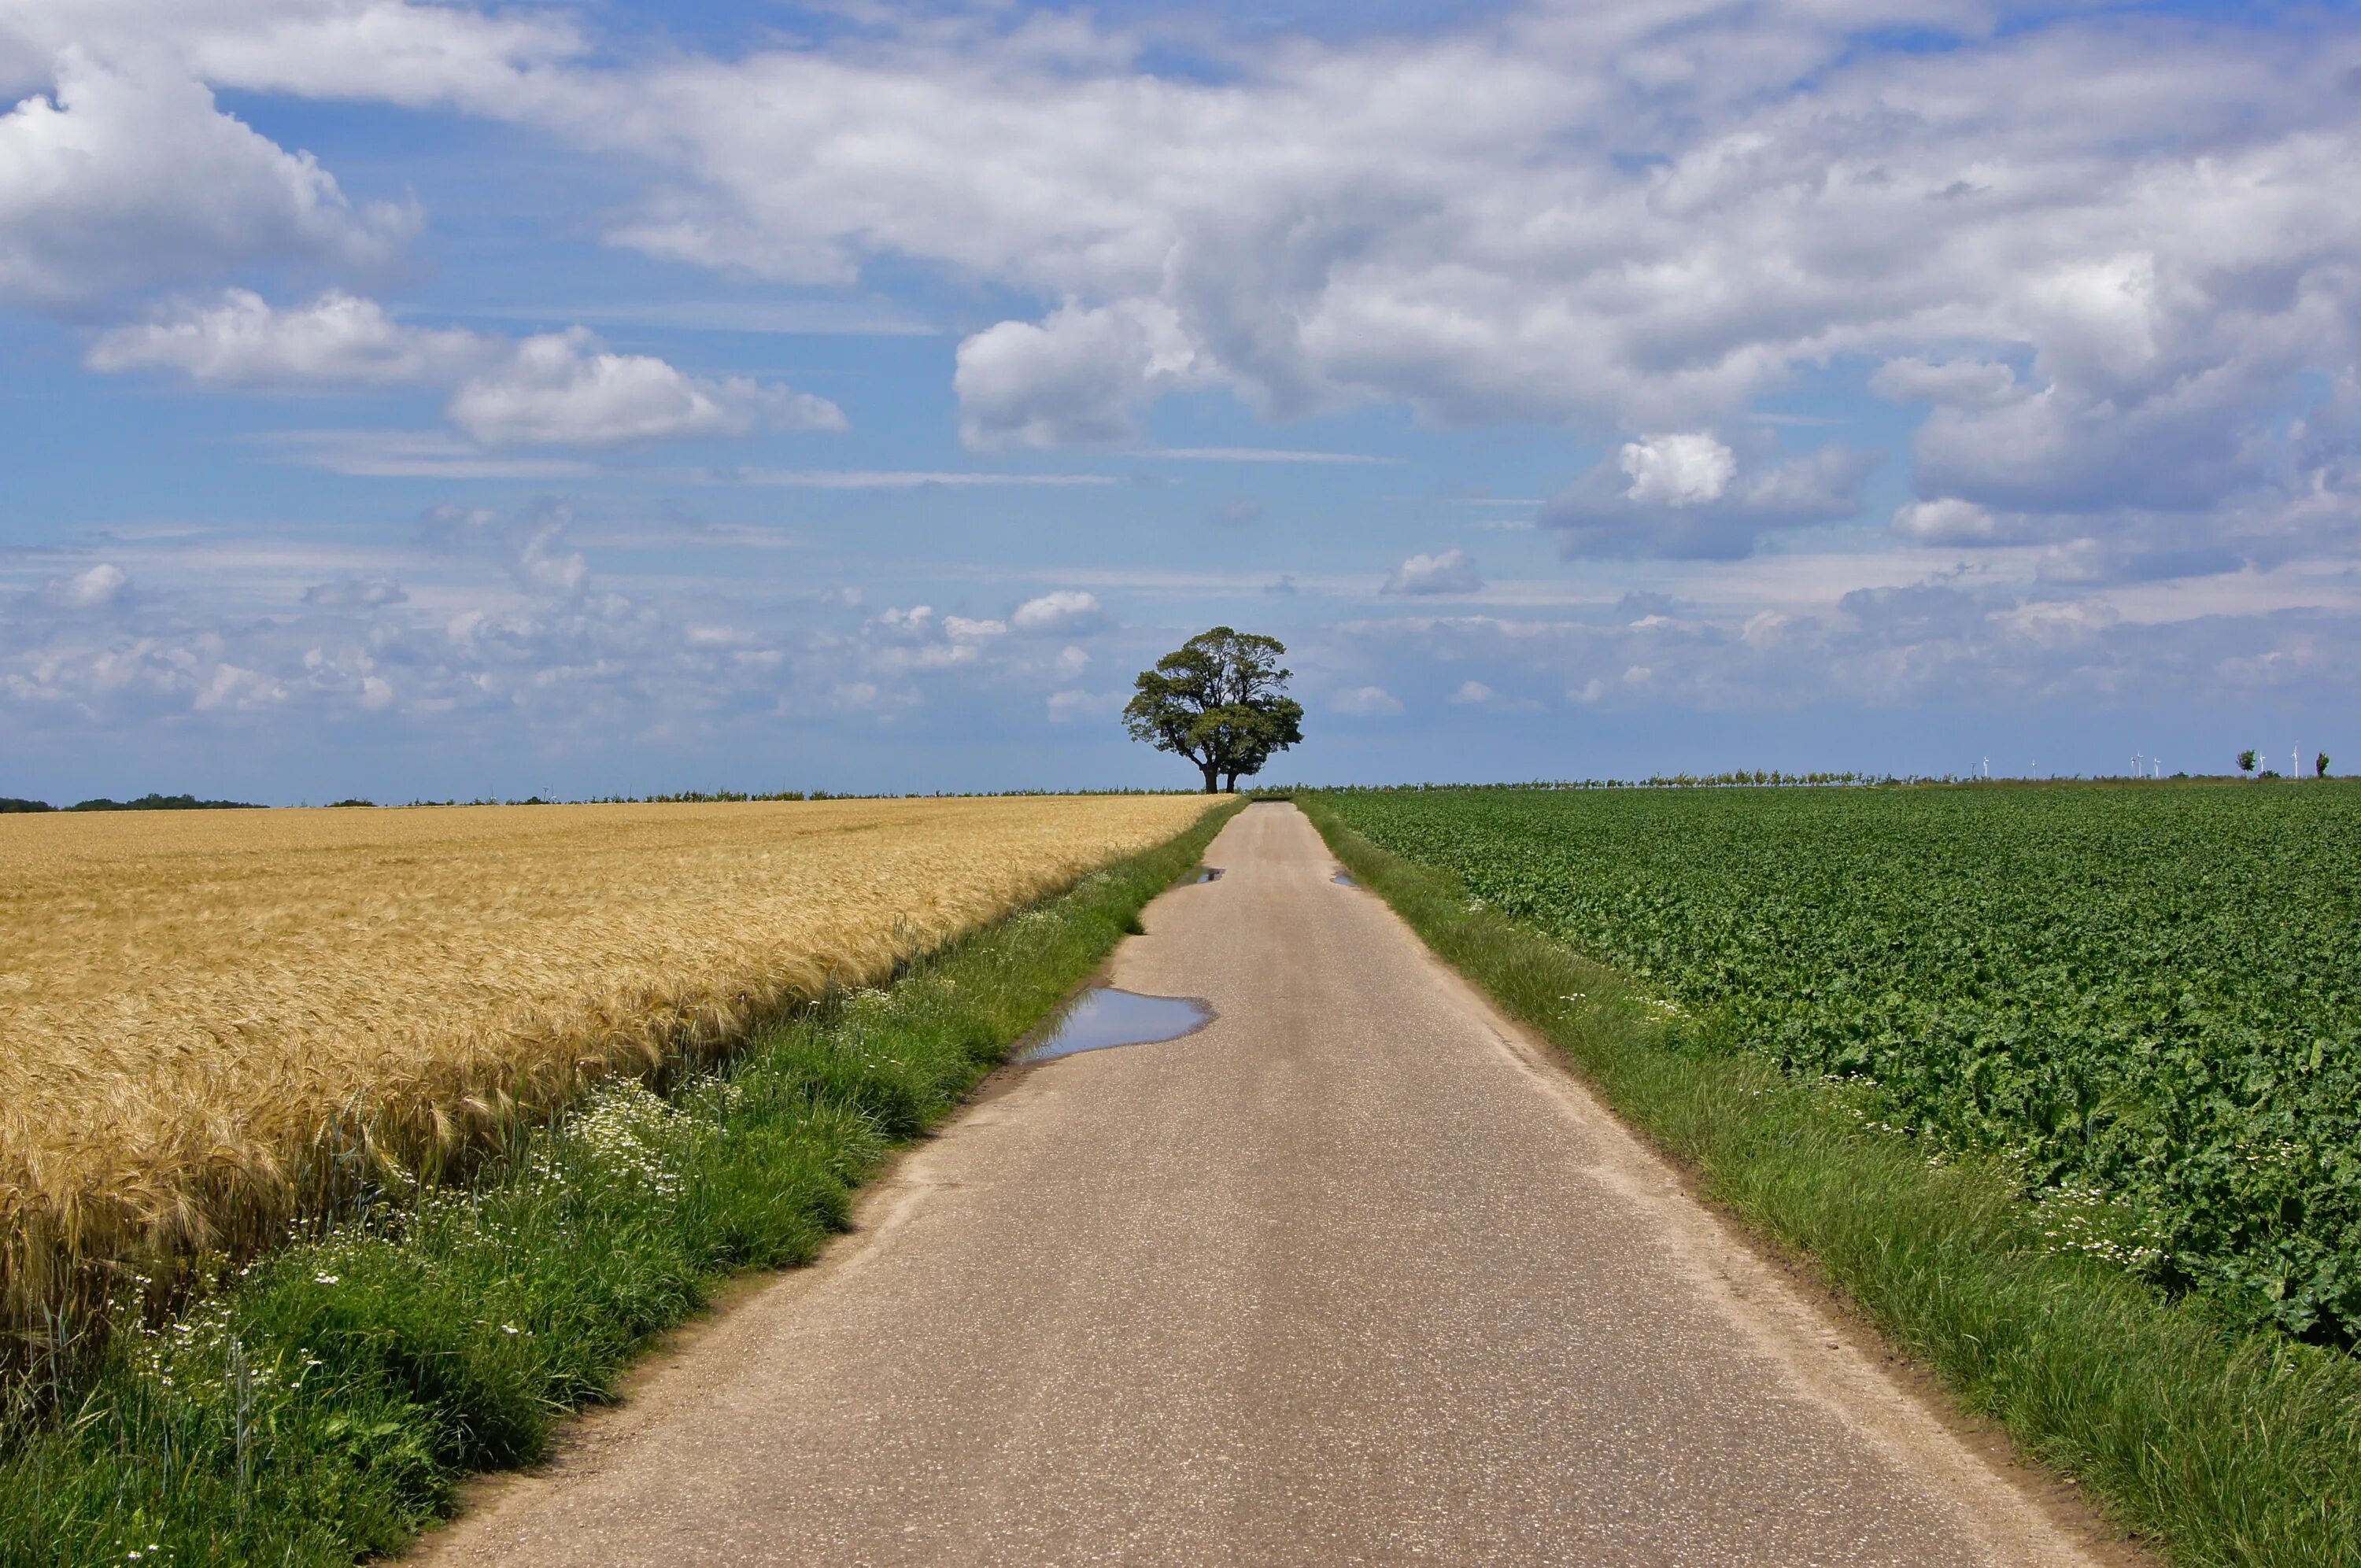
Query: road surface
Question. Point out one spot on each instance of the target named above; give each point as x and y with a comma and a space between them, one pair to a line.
1355, 1274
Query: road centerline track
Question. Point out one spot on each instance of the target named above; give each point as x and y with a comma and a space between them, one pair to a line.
1351, 1274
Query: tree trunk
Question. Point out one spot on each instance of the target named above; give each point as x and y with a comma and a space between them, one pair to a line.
1209, 777
1230, 784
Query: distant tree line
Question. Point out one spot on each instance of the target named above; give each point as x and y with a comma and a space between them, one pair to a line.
686, 797
1763, 777
149, 801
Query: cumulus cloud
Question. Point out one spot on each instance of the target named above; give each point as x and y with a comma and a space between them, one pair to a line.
567, 389
505, 632
1948, 521
1078, 378
240, 340
1472, 694
88, 589
1066, 612
499, 633
1677, 471
114, 181
2106, 309
1689, 496
540, 560
553, 389
1426, 221
1449, 573
2106, 318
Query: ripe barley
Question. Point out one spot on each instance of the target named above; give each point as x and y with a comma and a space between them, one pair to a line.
216, 1022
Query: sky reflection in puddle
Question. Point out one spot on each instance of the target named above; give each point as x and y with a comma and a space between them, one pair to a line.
1106, 1016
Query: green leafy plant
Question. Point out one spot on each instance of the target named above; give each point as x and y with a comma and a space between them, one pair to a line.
2149, 1004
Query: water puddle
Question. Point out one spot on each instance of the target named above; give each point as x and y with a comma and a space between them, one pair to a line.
1106, 1016
1207, 874
1345, 879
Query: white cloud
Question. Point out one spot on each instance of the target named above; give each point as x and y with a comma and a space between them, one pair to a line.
1677, 471
1472, 694
240, 340
2106, 318
2127, 294
1448, 573
1948, 521
1076, 379
118, 182
540, 562
2127, 297
227, 685
1366, 702
566, 390
554, 390
88, 589
394, 51
960, 629
1065, 612
1692, 498
915, 621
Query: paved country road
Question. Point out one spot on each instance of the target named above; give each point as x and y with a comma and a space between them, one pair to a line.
1355, 1274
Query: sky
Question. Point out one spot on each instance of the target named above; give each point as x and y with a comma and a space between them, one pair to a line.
430, 401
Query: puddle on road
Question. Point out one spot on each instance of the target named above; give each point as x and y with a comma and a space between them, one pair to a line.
1106, 1016
1345, 879
1207, 874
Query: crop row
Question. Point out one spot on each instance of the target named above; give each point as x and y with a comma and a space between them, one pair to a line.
221, 1022
2146, 1000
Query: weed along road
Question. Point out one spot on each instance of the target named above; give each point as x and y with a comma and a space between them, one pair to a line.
1353, 1273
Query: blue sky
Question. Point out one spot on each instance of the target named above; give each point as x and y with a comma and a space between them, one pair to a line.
439, 400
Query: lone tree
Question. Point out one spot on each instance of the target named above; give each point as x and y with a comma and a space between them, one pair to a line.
1219, 699
2246, 760
2320, 766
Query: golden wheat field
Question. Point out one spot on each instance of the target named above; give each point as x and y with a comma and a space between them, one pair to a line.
193, 1005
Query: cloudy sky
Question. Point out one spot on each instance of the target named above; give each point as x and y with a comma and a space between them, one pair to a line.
441, 398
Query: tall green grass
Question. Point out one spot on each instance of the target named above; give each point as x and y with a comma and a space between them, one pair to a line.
322, 1405
2221, 1444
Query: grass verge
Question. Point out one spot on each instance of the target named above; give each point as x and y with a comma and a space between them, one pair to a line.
322, 1406
2222, 1445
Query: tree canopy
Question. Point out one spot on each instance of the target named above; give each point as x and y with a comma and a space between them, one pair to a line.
1220, 700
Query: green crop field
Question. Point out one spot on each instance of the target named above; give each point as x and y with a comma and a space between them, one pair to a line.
2147, 999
